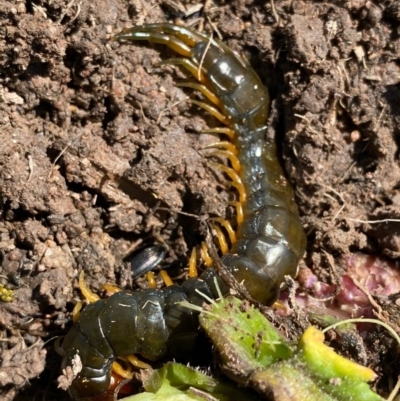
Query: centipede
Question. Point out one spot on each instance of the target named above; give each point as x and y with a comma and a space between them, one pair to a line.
266, 244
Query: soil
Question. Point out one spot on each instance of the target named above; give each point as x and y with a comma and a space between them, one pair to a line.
100, 148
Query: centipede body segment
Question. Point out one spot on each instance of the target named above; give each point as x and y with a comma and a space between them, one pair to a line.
266, 245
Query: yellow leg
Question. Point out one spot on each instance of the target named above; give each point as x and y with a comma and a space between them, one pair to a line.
240, 189
224, 145
166, 278
239, 211
236, 181
201, 88
233, 175
77, 311
151, 279
86, 292
193, 68
174, 32
208, 261
221, 239
125, 373
132, 360
173, 43
137, 362
212, 110
193, 264
232, 158
227, 226
111, 288
221, 130
279, 305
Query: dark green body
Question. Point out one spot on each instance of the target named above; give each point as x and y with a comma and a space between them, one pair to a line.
270, 241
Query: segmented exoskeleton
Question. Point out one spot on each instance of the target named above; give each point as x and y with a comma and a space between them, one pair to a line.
269, 239
150, 322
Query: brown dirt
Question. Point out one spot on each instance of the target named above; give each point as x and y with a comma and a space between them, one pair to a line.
94, 135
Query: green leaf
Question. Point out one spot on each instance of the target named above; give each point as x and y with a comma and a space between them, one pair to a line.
244, 338
181, 383
252, 351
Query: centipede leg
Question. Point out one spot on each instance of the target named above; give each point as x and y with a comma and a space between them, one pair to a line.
208, 261
111, 288
221, 130
212, 110
179, 39
119, 370
239, 211
166, 278
173, 43
223, 145
86, 292
236, 181
201, 88
77, 311
191, 67
193, 264
151, 279
186, 35
227, 226
221, 240
231, 156
182, 33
